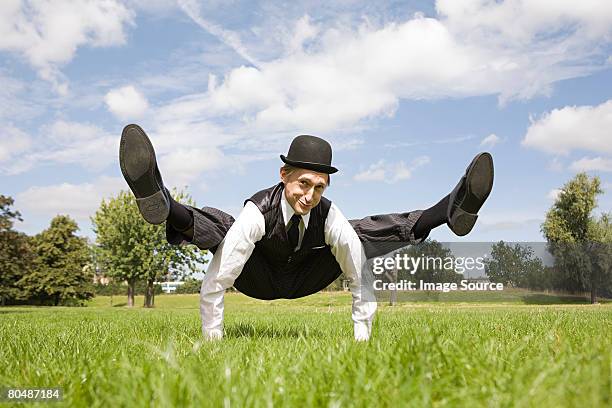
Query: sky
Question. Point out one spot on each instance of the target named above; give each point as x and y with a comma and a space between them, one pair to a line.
406, 92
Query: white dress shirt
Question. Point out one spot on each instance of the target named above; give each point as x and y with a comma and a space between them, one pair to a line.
239, 242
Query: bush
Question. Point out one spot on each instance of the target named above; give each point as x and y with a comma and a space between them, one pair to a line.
190, 286
120, 289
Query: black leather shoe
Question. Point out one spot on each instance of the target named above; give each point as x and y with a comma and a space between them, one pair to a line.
139, 168
470, 194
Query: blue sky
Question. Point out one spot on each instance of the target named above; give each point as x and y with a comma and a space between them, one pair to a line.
406, 92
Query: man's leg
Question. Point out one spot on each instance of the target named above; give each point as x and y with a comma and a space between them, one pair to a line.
319, 272
205, 228
431, 218
384, 233
258, 280
181, 218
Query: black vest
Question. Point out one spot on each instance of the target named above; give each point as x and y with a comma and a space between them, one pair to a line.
291, 274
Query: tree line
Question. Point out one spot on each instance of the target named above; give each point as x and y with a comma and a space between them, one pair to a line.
48, 268
57, 267
579, 242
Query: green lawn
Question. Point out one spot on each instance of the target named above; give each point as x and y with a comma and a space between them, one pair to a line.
301, 353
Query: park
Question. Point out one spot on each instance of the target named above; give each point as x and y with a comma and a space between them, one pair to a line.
494, 352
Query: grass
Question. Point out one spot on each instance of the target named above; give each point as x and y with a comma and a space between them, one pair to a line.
301, 353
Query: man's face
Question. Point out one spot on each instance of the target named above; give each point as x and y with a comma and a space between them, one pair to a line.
303, 189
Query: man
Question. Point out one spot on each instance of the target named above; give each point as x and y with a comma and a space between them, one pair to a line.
289, 241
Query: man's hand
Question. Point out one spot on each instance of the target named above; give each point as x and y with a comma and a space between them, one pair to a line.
213, 334
362, 331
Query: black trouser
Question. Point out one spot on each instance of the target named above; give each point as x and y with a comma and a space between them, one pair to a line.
379, 234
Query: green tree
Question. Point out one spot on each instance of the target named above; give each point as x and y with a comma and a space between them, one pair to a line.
436, 263
58, 272
601, 250
130, 249
191, 286
571, 229
15, 254
515, 266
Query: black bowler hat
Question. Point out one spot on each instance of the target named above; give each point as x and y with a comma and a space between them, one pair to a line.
310, 152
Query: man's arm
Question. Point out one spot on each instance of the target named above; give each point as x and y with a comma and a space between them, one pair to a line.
226, 265
349, 253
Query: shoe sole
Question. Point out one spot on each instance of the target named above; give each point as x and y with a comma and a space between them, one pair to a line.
479, 185
481, 180
138, 165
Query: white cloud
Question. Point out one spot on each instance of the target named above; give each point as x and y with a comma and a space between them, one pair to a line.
521, 21
490, 140
79, 143
126, 102
390, 172
572, 127
553, 194
12, 142
333, 76
47, 33
184, 150
80, 201
592, 164
16, 99
67, 142
376, 172
181, 167
229, 38
304, 31
330, 73
169, 136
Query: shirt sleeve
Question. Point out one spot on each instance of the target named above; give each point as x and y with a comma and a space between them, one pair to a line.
227, 263
348, 251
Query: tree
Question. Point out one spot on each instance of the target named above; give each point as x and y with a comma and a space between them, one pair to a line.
15, 254
515, 266
130, 249
58, 272
120, 234
436, 263
190, 286
571, 230
601, 251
